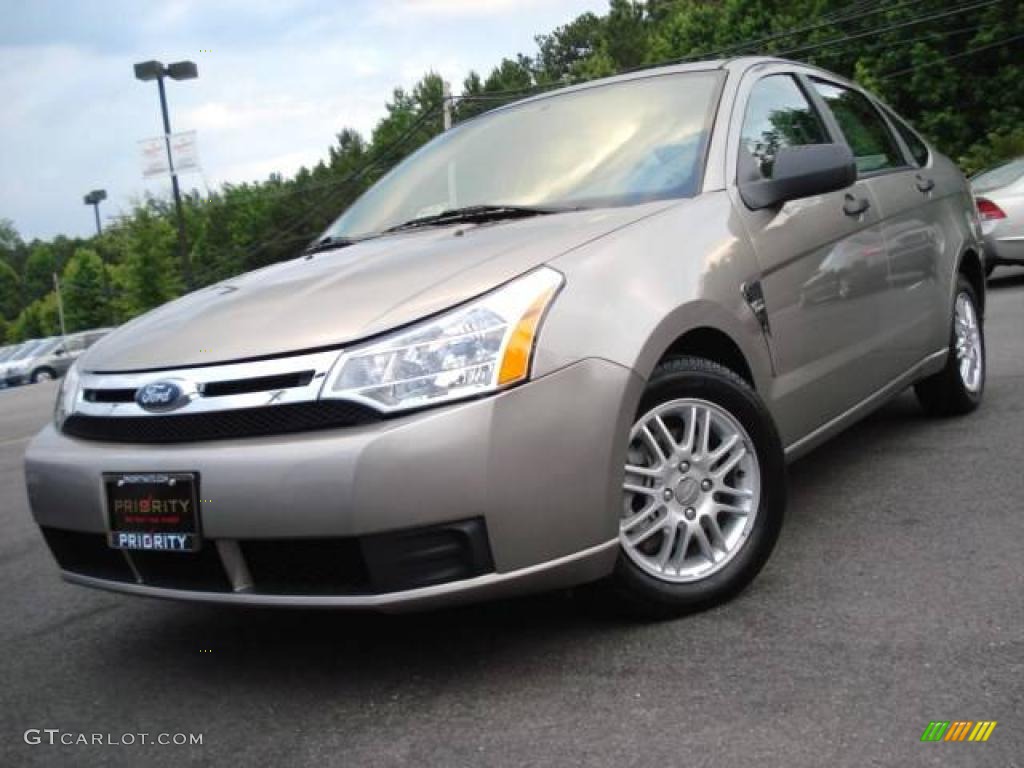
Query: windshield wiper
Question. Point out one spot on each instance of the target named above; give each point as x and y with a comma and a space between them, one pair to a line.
332, 243
475, 213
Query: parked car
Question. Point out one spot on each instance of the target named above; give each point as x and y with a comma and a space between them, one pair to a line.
11, 371
999, 193
51, 358
569, 340
5, 353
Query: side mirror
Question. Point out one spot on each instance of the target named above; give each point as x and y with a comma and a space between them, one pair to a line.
803, 171
59, 352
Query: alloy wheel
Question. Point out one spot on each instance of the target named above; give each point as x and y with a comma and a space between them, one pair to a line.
691, 491
969, 352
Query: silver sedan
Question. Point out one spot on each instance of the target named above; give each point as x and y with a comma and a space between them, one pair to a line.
573, 339
999, 193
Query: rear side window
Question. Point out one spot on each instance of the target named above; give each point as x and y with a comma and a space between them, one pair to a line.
918, 149
874, 147
778, 115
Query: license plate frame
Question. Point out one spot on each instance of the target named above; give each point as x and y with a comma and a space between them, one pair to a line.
153, 511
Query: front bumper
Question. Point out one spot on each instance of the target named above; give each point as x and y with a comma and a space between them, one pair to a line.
540, 465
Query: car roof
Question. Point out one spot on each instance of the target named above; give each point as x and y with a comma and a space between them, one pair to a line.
736, 64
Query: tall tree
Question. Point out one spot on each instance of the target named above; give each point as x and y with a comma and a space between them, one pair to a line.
84, 291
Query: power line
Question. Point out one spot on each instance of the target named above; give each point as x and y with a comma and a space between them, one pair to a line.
847, 15
934, 36
332, 200
823, 22
946, 59
889, 28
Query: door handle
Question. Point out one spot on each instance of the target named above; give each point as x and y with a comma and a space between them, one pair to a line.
855, 206
925, 185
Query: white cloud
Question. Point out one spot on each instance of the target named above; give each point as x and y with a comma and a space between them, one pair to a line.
277, 82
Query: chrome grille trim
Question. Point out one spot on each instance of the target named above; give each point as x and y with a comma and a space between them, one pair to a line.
192, 381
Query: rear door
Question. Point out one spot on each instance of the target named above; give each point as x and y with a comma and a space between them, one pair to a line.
908, 195
822, 260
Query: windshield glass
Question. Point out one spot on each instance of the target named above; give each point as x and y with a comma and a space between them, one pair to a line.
617, 144
1002, 176
29, 348
6, 352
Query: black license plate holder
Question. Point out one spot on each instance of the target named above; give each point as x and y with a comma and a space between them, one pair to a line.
153, 511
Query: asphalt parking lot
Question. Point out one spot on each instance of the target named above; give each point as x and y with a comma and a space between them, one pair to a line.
895, 597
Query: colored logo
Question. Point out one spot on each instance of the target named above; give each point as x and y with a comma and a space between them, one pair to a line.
958, 730
160, 396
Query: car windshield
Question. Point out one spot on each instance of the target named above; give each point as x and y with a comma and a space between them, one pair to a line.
29, 348
1001, 176
607, 145
6, 353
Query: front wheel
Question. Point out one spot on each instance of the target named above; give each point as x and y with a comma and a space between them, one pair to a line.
43, 374
958, 387
703, 491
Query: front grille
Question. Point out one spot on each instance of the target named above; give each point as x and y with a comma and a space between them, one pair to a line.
200, 570
306, 566
109, 395
213, 388
375, 564
87, 554
220, 425
258, 384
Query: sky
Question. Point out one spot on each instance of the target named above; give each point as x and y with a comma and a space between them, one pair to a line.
277, 81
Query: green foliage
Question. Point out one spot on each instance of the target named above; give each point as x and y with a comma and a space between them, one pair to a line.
993, 150
38, 319
970, 104
149, 272
38, 272
10, 292
85, 292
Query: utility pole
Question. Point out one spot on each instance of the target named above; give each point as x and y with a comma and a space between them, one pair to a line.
446, 103
94, 199
60, 304
180, 70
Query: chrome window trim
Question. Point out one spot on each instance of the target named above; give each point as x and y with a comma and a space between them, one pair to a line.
190, 380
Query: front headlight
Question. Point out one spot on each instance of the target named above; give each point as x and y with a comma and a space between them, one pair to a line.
477, 348
67, 393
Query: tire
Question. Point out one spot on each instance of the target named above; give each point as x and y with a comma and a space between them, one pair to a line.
989, 269
948, 393
42, 374
677, 389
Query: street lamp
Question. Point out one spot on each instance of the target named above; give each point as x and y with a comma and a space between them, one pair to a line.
179, 70
94, 199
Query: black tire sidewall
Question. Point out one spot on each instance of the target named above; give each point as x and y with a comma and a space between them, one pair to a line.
680, 379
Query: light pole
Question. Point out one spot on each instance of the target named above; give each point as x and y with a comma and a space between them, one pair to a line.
94, 199
179, 70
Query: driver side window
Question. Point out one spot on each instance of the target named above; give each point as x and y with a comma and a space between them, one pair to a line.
778, 115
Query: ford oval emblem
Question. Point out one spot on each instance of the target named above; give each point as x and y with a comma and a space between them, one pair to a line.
160, 396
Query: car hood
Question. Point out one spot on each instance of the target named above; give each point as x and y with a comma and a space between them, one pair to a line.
336, 297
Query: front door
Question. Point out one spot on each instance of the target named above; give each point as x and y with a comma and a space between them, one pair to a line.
823, 268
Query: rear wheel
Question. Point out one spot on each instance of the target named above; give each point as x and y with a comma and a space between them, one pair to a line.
703, 492
958, 387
